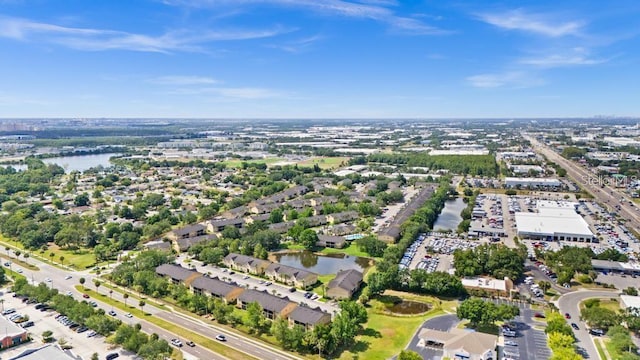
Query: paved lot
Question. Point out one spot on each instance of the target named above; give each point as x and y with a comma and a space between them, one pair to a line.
82, 345
532, 343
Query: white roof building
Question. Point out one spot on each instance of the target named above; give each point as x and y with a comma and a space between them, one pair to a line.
553, 223
511, 182
628, 301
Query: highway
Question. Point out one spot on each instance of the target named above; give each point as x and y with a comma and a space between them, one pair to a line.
569, 303
235, 340
607, 195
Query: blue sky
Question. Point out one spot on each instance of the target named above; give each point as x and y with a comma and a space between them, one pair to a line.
319, 58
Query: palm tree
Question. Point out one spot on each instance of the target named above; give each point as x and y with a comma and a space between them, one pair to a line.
544, 285
7, 248
142, 304
26, 258
82, 281
111, 294
125, 296
51, 256
97, 284
61, 259
2, 303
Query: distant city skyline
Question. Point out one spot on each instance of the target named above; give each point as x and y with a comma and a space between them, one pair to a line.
319, 59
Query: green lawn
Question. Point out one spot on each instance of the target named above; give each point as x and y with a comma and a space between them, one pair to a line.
80, 259
20, 262
206, 342
236, 163
601, 353
351, 250
386, 335
325, 162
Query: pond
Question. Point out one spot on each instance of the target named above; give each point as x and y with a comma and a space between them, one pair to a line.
408, 307
322, 264
81, 162
450, 217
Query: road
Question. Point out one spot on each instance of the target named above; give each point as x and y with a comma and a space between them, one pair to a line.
569, 303
235, 340
607, 195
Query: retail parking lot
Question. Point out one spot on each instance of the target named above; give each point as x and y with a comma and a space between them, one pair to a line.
81, 344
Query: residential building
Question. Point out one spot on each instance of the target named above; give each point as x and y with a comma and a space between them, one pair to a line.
177, 274
216, 288
217, 226
188, 231
290, 275
345, 284
246, 263
272, 306
330, 241
182, 245
308, 317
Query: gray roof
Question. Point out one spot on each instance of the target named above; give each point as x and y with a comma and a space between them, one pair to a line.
323, 239
225, 222
606, 264
189, 229
242, 260
213, 286
347, 279
344, 216
294, 273
185, 244
307, 315
175, 272
266, 300
158, 245
392, 231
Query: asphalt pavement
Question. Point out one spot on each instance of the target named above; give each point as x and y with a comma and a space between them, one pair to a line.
569, 303
442, 323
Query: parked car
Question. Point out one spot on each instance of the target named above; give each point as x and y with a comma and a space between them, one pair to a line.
27, 324
596, 332
567, 316
575, 326
112, 356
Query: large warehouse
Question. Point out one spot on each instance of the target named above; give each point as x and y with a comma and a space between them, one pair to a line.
532, 183
553, 223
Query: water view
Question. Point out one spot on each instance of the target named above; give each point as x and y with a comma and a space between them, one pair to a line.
450, 217
82, 162
322, 264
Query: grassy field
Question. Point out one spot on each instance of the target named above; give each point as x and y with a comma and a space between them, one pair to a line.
203, 341
351, 250
80, 260
385, 335
325, 162
236, 163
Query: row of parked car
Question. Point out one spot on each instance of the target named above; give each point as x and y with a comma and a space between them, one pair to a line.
411, 252
64, 320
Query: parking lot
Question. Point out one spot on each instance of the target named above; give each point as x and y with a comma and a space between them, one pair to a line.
527, 343
434, 251
81, 344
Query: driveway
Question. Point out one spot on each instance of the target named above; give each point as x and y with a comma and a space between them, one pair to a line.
569, 303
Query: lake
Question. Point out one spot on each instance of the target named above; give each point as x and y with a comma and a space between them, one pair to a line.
450, 217
322, 264
81, 162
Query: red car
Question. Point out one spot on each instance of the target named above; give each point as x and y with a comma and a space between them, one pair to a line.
538, 315
85, 296
567, 316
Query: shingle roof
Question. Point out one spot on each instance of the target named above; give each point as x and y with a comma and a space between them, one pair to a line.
213, 286
176, 272
266, 300
307, 315
295, 273
189, 229
347, 279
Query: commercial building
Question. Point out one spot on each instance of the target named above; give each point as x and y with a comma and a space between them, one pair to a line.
550, 222
489, 286
47, 352
532, 183
630, 302
12, 335
460, 344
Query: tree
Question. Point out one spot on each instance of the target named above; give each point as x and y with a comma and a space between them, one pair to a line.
544, 285
254, 317
95, 356
47, 336
630, 291
97, 283
409, 355
82, 281
598, 317
308, 238
478, 311
61, 259
81, 200
125, 296
142, 304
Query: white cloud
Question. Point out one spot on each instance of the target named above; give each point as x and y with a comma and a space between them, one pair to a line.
183, 80
88, 39
534, 23
552, 61
515, 79
299, 45
373, 10
236, 93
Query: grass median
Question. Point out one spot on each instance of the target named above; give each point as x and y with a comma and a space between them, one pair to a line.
203, 341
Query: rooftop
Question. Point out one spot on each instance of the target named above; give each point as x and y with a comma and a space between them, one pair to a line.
549, 221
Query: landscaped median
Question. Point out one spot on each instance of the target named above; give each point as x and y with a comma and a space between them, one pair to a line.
203, 341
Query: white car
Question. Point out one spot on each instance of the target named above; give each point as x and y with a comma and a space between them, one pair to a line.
19, 271
68, 277
47, 280
69, 293
128, 315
